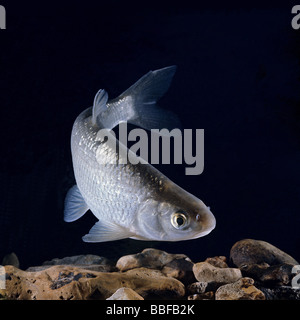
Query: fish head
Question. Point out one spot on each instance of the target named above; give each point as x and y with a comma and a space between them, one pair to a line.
181, 216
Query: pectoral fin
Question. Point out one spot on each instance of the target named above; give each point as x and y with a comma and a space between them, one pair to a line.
75, 206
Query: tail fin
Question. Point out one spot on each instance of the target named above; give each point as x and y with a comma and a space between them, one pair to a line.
137, 105
152, 86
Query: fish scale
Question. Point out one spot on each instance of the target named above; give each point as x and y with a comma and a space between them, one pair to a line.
109, 191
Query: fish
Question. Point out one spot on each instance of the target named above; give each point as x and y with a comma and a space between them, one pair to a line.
133, 201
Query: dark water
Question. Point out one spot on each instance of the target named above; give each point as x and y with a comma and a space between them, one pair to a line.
237, 78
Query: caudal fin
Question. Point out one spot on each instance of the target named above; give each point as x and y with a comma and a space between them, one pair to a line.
137, 105
152, 86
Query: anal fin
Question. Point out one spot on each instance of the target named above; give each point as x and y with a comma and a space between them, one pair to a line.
104, 231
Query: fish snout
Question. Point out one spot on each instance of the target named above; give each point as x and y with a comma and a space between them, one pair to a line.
209, 221
205, 221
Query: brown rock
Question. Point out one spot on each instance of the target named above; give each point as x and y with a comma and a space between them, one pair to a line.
249, 251
277, 275
254, 271
65, 283
125, 294
151, 283
197, 287
148, 258
270, 275
281, 293
11, 259
88, 262
81, 260
202, 287
219, 261
91, 267
202, 296
242, 289
205, 272
180, 269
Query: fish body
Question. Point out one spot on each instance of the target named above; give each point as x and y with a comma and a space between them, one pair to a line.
130, 200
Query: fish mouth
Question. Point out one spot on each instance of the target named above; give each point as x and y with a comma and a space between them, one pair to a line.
203, 233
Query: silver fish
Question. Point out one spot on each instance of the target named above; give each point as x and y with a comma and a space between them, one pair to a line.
130, 201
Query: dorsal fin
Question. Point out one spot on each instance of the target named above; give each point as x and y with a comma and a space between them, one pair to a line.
99, 104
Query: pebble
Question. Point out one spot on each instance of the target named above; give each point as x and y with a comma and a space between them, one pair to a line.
203, 287
243, 289
11, 259
202, 296
281, 293
86, 259
206, 272
125, 294
279, 275
219, 261
180, 269
88, 262
148, 258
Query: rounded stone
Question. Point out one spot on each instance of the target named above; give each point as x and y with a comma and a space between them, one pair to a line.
250, 251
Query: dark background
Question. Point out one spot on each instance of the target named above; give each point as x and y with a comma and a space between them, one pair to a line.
238, 79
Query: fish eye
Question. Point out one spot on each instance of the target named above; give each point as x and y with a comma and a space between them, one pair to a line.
178, 220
